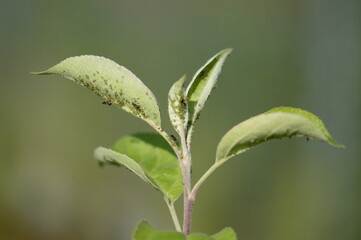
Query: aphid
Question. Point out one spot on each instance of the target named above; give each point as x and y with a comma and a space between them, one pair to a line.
183, 102
136, 106
173, 137
107, 103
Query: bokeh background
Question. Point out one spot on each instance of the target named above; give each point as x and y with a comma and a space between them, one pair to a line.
304, 54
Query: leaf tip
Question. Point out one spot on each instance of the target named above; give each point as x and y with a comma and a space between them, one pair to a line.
336, 144
143, 222
97, 155
39, 73
228, 50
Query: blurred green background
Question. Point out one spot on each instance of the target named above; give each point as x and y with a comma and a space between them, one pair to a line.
303, 54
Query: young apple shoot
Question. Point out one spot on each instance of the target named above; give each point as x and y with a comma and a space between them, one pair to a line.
161, 160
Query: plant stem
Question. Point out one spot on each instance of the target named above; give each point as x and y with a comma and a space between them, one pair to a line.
184, 159
173, 213
188, 211
188, 201
190, 196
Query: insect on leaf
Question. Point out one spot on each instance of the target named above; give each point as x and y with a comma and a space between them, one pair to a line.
177, 106
202, 84
276, 123
113, 83
156, 158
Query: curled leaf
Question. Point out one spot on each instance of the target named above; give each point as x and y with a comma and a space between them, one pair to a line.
202, 84
108, 156
177, 106
113, 83
277, 123
151, 157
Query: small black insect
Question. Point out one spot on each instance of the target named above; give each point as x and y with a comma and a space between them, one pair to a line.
136, 106
107, 103
183, 102
173, 138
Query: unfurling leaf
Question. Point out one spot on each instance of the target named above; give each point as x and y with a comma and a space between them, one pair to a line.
177, 106
155, 159
277, 123
202, 84
113, 83
145, 231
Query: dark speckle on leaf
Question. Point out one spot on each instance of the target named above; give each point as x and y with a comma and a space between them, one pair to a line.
173, 137
136, 106
107, 103
183, 102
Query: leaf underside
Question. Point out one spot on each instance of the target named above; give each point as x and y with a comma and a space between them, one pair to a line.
276, 123
113, 83
108, 156
202, 84
145, 231
155, 158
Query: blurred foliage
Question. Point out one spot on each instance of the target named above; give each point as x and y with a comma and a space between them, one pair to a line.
303, 54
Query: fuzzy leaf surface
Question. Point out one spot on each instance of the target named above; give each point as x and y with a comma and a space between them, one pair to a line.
276, 123
156, 158
113, 83
202, 84
108, 156
177, 106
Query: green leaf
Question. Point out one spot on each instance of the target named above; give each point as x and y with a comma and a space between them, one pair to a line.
156, 158
177, 106
144, 231
277, 123
113, 83
225, 234
202, 84
199, 236
104, 155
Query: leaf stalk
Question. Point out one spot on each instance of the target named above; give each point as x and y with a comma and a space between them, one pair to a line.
173, 213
